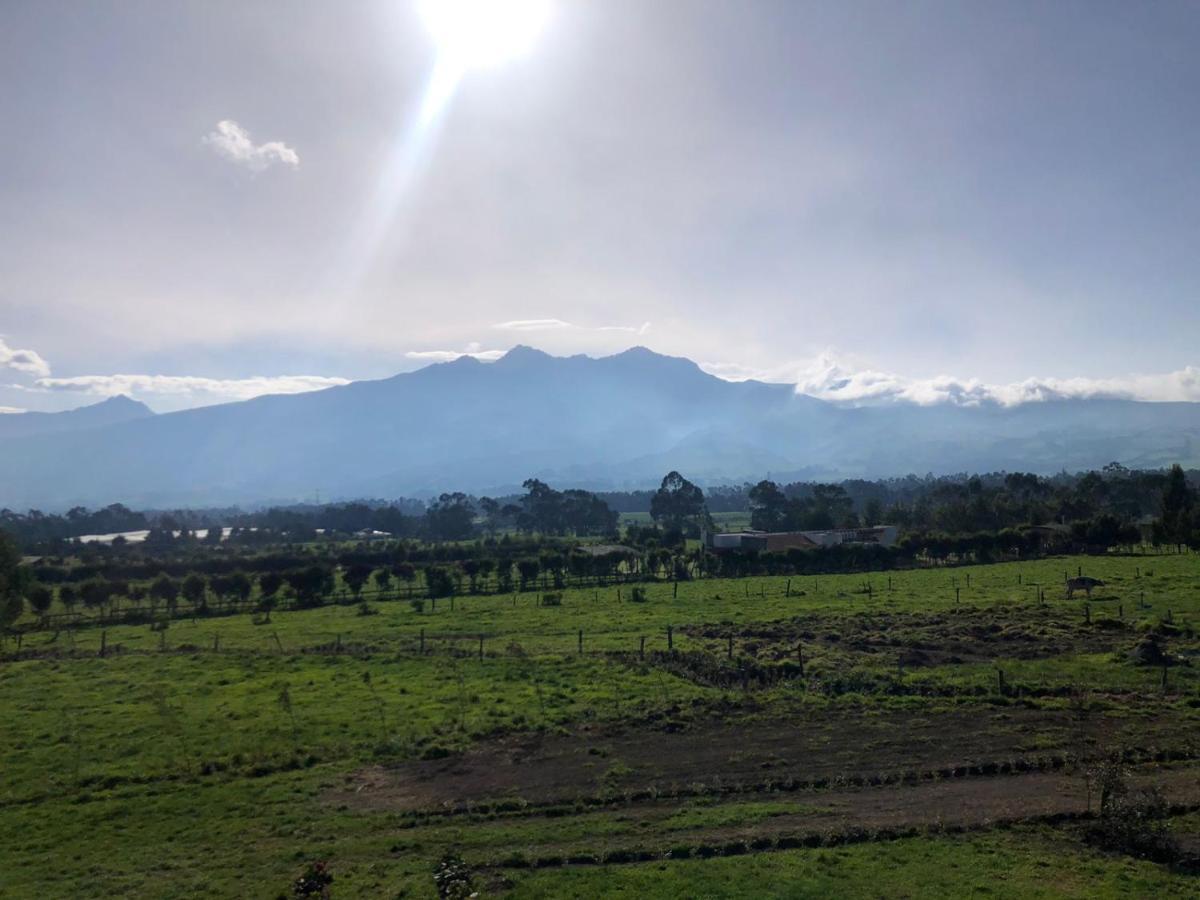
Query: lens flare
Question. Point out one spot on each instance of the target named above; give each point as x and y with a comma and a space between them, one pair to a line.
480, 33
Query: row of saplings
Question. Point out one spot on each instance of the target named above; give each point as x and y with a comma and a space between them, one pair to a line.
1129, 821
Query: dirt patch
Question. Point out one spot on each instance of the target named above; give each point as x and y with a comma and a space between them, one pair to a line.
952, 805
969, 635
745, 752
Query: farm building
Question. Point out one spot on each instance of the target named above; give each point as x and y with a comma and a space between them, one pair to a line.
776, 541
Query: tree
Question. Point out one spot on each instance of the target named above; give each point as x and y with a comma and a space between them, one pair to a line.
528, 569
40, 598
438, 582
239, 587
450, 518
383, 580
269, 584
679, 505
13, 582
310, 584
68, 596
165, 590
356, 577
194, 590
768, 507
95, 593
1175, 511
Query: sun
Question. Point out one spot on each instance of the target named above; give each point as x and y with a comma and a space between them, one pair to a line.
479, 33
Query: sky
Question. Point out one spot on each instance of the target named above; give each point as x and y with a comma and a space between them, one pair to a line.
927, 201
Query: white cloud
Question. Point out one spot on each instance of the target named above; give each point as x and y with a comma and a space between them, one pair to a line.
10, 410
560, 325
828, 378
233, 142
27, 361
534, 325
628, 329
190, 385
473, 349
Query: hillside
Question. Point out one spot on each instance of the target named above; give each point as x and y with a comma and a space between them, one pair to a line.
617, 421
107, 412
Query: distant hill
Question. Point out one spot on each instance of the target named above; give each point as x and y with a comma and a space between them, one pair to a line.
619, 421
107, 412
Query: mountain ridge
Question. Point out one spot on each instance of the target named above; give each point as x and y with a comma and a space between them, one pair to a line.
615, 421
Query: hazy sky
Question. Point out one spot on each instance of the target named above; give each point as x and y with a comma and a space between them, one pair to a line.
859, 197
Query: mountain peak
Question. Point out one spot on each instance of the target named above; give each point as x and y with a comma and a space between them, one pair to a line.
523, 354
122, 402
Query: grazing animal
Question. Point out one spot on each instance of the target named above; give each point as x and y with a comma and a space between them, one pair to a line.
1084, 584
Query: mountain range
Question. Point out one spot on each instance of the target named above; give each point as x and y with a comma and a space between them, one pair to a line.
620, 421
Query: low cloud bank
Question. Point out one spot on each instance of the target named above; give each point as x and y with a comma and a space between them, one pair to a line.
474, 349
190, 385
829, 379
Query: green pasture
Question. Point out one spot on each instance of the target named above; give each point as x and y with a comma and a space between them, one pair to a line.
192, 761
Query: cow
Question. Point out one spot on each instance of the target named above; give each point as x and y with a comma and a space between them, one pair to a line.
1083, 583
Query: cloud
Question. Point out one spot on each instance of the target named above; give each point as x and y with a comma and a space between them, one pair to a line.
628, 329
473, 349
828, 378
560, 325
10, 410
27, 361
534, 325
233, 142
190, 385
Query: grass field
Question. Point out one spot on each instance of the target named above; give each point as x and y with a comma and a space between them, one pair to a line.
569, 758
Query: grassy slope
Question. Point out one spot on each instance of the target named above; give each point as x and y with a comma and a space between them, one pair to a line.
102, 791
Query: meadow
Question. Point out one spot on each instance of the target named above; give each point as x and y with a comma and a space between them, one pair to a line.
798, 737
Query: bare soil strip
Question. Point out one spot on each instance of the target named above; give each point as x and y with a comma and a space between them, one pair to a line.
543, 769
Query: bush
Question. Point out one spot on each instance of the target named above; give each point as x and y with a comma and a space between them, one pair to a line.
638, 595
551, 599
418, 606
453, 878
314, 881
1136, 822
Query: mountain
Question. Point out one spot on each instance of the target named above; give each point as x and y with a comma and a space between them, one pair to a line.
617, 421
107, 412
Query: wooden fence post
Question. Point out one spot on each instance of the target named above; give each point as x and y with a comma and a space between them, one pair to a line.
581, 640
800, 658
787, 592
103, 642
642, 648
670, 638
481, 648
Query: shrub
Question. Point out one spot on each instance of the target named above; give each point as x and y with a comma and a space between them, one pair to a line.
453, 878
314, 881
638, 595
551, 599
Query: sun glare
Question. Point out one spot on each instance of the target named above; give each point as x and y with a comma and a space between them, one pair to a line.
479, 33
